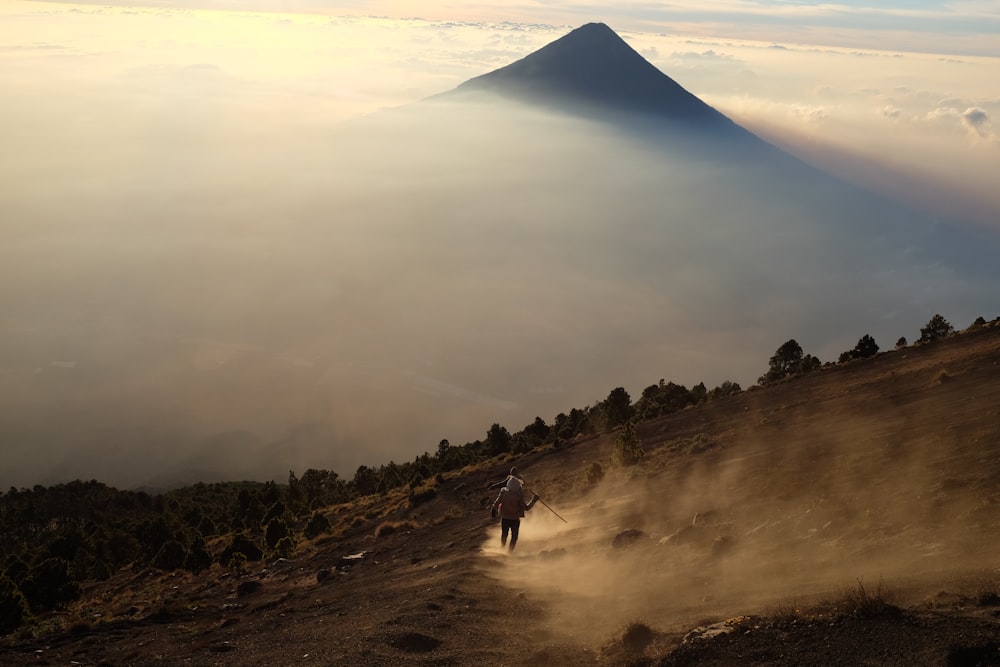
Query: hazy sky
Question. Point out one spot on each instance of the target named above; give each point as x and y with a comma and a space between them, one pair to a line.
191, 278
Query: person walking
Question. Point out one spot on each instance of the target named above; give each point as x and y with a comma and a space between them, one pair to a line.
510, 505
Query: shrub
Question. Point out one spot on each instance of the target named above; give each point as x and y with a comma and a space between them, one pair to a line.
275, 531
422, 493
198, 558
627, 450
867, 602
237, 560
241, 544
636, 637
171, 556
390, 527
49, 585
285, 548
318, 524
593, 474
13, 606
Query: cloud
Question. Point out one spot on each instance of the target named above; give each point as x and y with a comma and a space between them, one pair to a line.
891, 112
710, 54
229, 264
409, 277
812, 115
977, 121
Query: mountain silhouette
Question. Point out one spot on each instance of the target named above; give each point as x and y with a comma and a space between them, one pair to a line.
592, 70
592, 73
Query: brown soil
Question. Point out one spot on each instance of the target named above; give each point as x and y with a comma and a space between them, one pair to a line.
848, 517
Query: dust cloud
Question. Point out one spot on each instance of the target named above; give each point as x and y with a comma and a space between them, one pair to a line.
777, 523
200, 296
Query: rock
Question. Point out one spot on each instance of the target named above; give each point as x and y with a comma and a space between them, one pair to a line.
627, 538
352, 559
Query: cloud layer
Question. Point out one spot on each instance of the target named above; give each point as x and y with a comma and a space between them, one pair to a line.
212, 266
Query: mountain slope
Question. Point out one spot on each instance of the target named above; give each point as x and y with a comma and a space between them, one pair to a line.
593, 67
882, 470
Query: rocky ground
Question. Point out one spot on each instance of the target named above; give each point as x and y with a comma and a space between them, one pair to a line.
845, 518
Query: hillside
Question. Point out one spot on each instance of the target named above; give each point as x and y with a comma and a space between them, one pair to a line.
848, 516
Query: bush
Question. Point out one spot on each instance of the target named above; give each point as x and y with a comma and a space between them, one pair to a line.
275, 531
198, 558
285, 548
49, 585
867, 602
422, 494
318, 524
636, 637
627, 450
13, 606
236, 561
593, 474
241, 544
171, 556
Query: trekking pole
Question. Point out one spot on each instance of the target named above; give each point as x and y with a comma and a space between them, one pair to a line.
551, 510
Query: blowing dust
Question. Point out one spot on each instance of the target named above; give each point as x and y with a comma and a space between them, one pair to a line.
784, 517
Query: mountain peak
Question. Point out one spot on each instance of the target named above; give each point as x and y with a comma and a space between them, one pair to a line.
593, 68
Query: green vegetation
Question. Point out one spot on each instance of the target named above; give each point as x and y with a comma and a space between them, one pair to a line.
787, 361
866, 347
627, 450
936, 329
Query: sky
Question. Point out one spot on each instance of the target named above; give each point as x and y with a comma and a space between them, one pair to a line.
195, 277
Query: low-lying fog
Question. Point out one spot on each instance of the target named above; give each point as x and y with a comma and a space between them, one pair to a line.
266, 299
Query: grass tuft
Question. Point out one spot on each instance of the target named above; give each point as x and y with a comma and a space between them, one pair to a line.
866, 601
390, 527
636, 637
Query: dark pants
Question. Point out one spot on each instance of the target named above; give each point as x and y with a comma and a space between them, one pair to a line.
512, 526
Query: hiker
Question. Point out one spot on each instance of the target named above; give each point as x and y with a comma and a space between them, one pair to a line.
503, 482
511, 506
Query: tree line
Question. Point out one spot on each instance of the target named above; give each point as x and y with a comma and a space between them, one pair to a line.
59, 536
